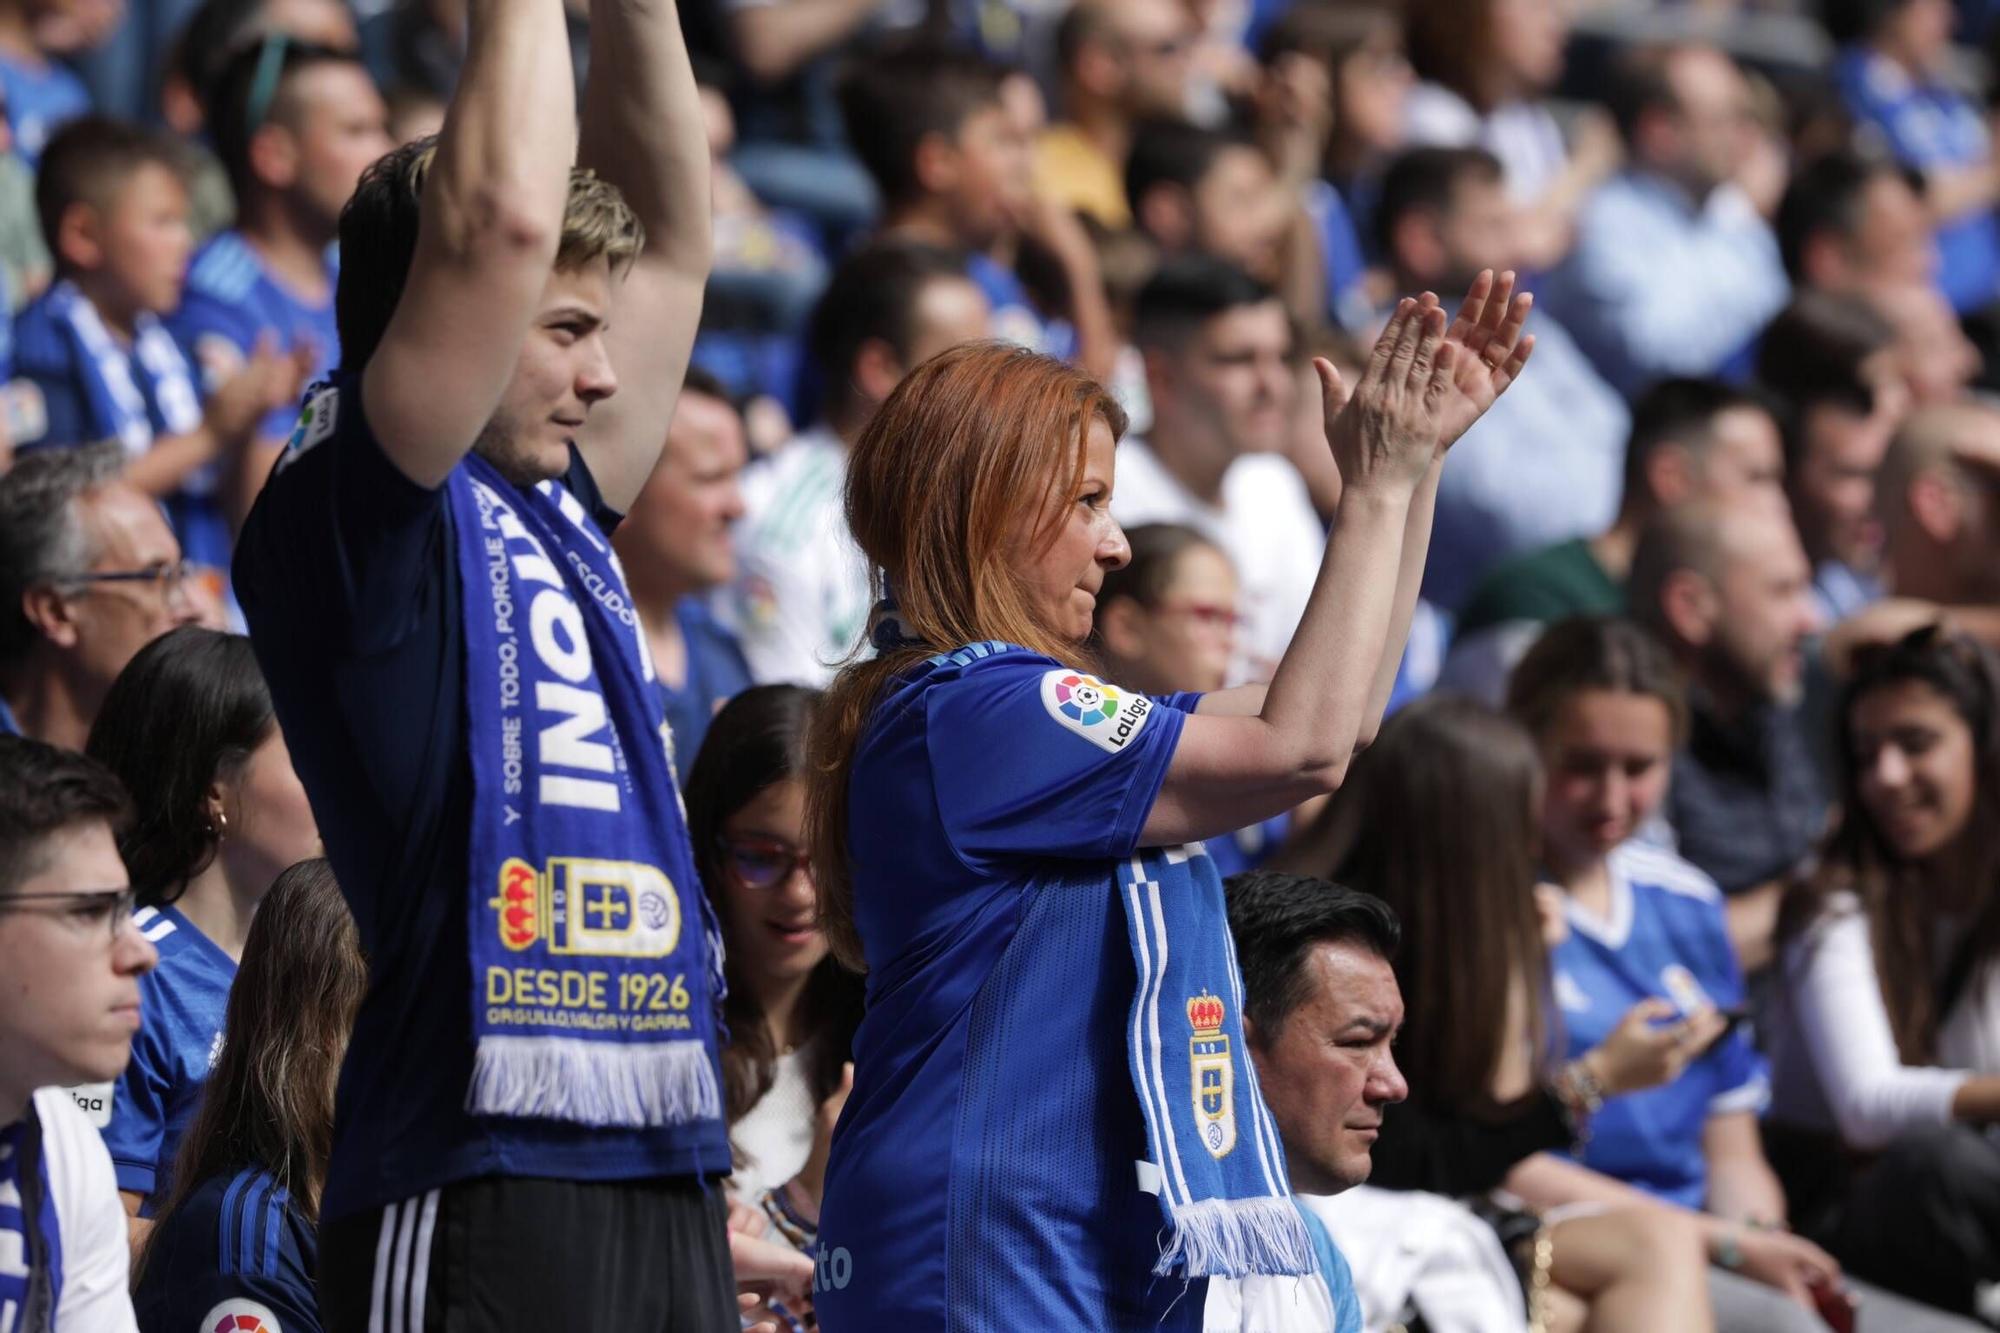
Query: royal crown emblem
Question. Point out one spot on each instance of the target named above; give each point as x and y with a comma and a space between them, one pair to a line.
1212, 1073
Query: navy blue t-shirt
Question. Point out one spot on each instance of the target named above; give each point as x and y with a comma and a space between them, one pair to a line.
348, 576
237, 1250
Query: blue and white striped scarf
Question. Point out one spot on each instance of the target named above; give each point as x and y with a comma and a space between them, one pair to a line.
31, 1259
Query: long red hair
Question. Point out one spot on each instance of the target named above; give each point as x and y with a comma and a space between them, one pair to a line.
974, 448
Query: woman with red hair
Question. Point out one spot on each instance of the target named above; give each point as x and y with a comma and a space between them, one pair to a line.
1010, 845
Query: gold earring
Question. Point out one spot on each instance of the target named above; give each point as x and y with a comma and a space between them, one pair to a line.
220, 828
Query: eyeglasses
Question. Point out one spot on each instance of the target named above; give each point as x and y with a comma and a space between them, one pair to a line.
763, 863
168, 580
1209, 615
97, 908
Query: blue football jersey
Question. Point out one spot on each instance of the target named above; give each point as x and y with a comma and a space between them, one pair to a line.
992, 795
41, 99
1014, 317
182, 1003
236, 1255
1666, 938
231, 298
94, 387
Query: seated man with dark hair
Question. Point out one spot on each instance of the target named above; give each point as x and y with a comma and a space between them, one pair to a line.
1198, 190
72, 958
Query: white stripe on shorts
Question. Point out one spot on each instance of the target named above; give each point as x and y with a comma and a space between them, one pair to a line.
379, 1289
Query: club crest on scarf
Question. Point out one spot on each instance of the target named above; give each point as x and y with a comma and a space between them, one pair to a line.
1212, 1075
608, 908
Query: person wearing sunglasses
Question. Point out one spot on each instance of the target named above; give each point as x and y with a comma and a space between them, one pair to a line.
792, 1007
72, 961
90, 573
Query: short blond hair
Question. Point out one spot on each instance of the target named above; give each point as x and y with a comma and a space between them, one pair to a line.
378, 239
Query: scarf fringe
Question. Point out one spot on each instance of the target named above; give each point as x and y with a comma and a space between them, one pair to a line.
1237, 1237
594, 1083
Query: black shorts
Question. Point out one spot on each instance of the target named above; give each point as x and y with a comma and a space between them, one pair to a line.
504, 1253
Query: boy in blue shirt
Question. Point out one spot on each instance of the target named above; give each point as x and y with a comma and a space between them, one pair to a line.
955, 169
295, 125
114, 211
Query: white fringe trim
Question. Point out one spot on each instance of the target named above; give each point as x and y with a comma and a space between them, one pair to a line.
594, 1082
1237, 1237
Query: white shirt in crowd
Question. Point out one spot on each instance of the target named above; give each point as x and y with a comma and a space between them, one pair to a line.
1265, 524
95, 1256
1523, 135
801, 599
1834, 1062
775, 1136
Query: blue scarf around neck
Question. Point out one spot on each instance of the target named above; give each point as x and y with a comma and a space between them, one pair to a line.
596, 962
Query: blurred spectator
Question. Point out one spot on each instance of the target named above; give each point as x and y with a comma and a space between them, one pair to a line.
72, 959
1439, 821
188, 728
42, 93
1166, 624
954, 167
1885, 1067
677, 547
1691, 440
1359, 46
1849, 219
89, 574
1119, 62
1641, 925
1486, 66
1936, 361
1217, 347
295, 126
801, 600
416, 114
239, 1229
1896, 75
1675, 268
792, 1008
1543, 466
1938, 495
1202, 191
114, 211
23, 253
1830, 358
1726, 587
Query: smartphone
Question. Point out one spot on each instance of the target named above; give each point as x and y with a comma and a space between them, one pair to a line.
1732, 1019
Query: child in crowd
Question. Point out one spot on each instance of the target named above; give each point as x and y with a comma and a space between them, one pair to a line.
238, 1234
188, 728
792, 1008
114, 211
952, 157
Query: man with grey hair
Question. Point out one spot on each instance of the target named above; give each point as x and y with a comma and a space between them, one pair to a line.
1726, 586
90, 573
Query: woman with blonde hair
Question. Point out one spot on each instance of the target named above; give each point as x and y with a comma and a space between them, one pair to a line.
1009, 845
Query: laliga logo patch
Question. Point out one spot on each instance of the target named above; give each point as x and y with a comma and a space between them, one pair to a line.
240, 1316
1214, 1077
1102, 714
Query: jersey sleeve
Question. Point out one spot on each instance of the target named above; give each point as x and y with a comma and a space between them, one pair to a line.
96, 1254
65, 407
137, 1129
341, 548
1031, 759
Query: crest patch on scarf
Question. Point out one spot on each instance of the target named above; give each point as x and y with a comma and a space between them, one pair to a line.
1213, 1076
1105, 715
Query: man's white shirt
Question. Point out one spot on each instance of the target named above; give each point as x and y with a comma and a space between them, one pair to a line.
90, 1218
1265, 524
801, 599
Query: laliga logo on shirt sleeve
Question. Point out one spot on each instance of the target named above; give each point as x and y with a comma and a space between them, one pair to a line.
1102, 714
240, 1316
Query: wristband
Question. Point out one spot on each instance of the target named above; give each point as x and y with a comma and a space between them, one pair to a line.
1581, 1097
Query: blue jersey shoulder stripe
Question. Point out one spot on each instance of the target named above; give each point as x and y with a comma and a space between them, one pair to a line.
252, 1210
274, 1215
227, 271
226, 1219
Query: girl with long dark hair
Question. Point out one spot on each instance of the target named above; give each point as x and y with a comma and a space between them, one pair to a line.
1886, 1046
1441, 820
239, 1223
188, 728
792, 1006
1052, 1124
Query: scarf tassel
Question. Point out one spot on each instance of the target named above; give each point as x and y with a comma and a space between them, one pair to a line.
1235, 1237
594, 1083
